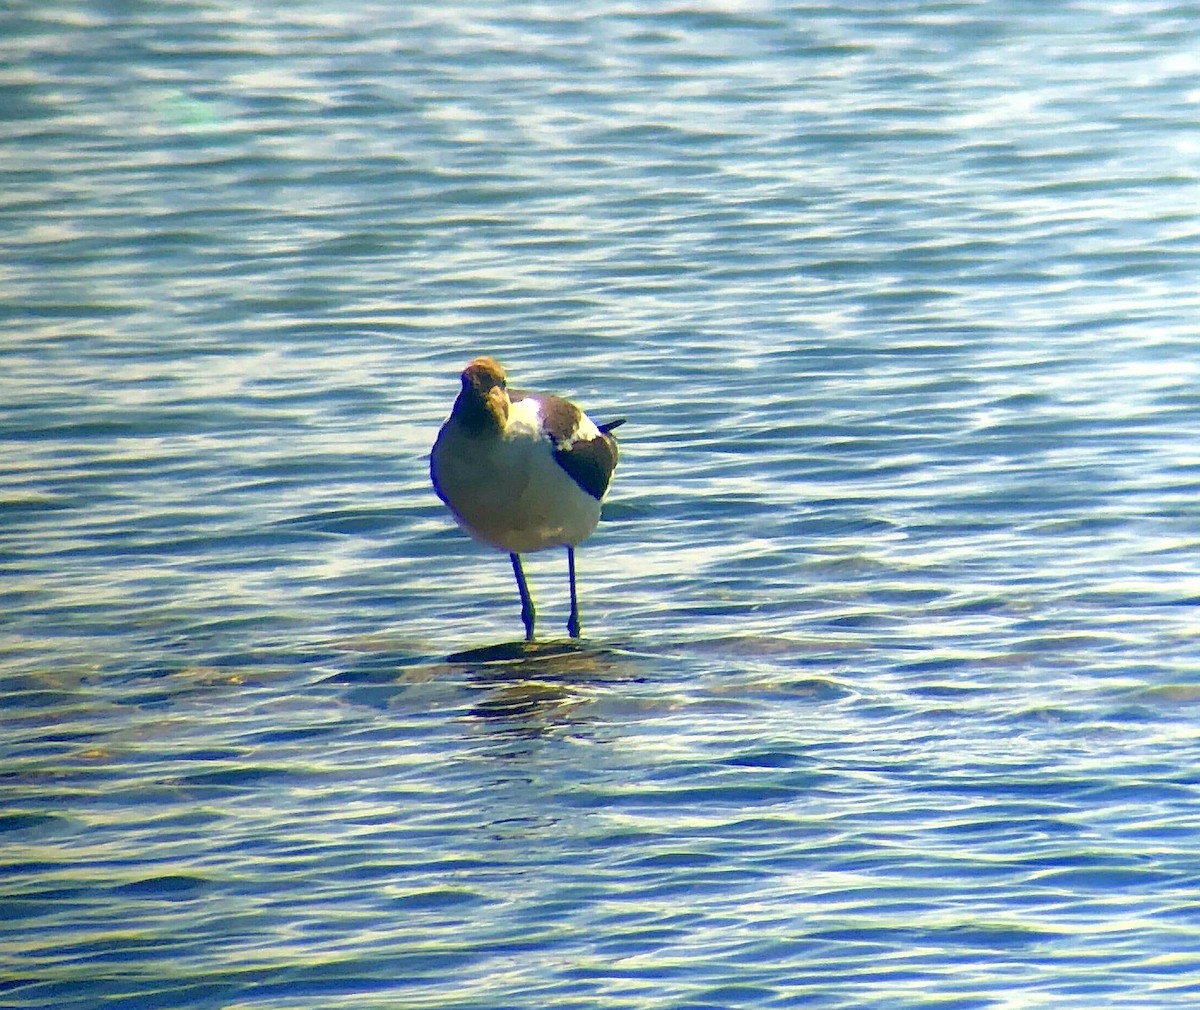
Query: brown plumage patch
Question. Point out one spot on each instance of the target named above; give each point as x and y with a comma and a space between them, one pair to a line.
590, 462
560, 419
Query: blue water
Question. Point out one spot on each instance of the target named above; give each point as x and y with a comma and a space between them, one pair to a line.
890, 694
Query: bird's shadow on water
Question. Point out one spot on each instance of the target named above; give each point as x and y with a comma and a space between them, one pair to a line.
531, 685
515, 687
517, 653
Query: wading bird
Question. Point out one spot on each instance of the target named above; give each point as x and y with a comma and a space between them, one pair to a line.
522, 472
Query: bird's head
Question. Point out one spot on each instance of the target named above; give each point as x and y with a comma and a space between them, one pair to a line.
483, 402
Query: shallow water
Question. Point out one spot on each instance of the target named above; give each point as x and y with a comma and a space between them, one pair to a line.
888, 695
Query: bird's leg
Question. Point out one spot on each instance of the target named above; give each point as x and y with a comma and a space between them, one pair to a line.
573, 620
528, 614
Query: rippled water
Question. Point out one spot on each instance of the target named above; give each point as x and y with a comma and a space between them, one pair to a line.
889, 694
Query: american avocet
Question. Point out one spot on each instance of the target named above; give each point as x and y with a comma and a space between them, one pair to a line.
522, 472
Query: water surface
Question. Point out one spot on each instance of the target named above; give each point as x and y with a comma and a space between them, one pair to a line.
888, 694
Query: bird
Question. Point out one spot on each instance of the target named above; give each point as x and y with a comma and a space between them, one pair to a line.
522, 472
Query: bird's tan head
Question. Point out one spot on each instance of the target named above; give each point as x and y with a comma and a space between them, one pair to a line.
484, 374
483, 402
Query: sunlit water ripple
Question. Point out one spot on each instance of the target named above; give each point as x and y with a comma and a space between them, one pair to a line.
889, 693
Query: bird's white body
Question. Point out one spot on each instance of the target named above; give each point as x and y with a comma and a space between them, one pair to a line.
522, 472
507, 490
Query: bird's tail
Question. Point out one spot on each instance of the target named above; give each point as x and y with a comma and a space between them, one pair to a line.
609, 425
